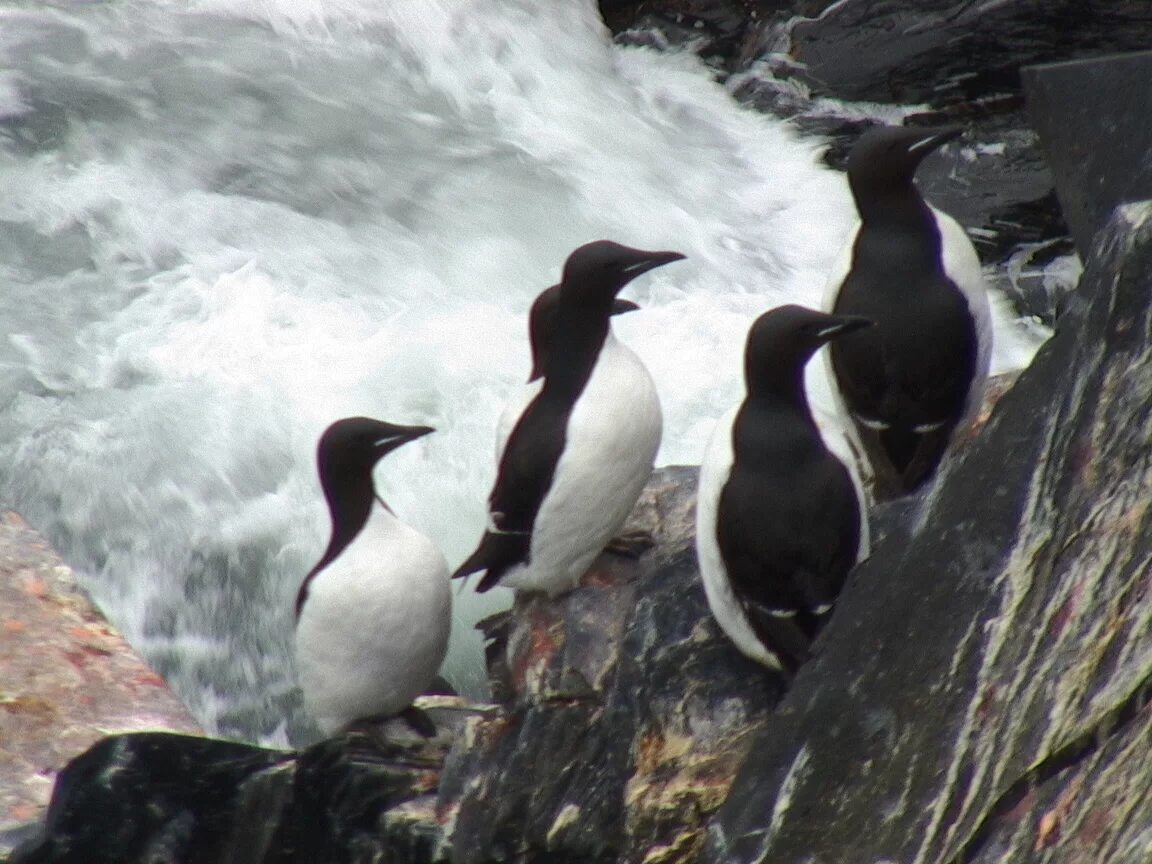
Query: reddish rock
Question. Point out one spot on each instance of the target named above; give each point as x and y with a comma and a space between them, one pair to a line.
69, 678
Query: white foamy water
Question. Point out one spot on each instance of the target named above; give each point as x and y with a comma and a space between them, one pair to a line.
224, 225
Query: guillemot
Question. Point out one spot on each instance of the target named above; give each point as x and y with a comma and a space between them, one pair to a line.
583, 448
373, 615
909, 382
780, 518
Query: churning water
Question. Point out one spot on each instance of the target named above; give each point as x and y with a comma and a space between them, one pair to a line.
225, 224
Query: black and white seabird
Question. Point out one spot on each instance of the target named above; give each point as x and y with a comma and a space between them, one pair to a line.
582, 450
541, 324
373, 615
919, 374
780, 519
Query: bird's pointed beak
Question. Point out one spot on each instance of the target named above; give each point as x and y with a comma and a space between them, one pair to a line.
620, 307
842, 325
650, 261
933, 137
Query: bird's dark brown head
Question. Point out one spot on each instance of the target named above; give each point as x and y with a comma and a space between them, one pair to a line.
885, 158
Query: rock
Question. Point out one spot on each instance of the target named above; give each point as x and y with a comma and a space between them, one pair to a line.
154, 797
1092, 117
723, 32
69, 678
946, 51
982, 691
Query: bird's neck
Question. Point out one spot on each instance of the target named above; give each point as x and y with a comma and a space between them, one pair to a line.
900, 206
577, 344
349, 507
778, 387
768, 422
898, 231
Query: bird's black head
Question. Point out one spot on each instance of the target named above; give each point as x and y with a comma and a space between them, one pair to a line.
542, 323
350, 448
783, 340
886, 157
597, 271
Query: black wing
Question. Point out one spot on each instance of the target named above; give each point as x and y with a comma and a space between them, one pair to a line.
906, 380
527, 467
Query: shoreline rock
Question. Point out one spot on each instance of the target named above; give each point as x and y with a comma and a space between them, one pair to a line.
69, 678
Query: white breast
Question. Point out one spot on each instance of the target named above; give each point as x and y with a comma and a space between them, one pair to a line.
726, 609
374, 629
613, 435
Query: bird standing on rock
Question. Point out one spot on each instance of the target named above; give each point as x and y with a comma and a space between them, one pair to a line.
909, 382
780, 519
583, 448
373, 615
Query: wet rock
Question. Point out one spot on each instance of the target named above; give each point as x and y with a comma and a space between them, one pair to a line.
723, 32
1092, 117
162, 797
993, 659
945, 51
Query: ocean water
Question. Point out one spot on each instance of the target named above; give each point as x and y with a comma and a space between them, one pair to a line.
224, 224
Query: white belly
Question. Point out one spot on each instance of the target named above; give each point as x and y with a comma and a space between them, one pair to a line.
726, 609
374, 629
613, 435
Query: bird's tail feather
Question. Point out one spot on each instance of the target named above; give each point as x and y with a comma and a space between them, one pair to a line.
496, 553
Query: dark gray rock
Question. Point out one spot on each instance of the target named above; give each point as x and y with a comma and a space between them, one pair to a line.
993, 660
725, 33
1092, 116
162, 797
945, 51
129, 797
